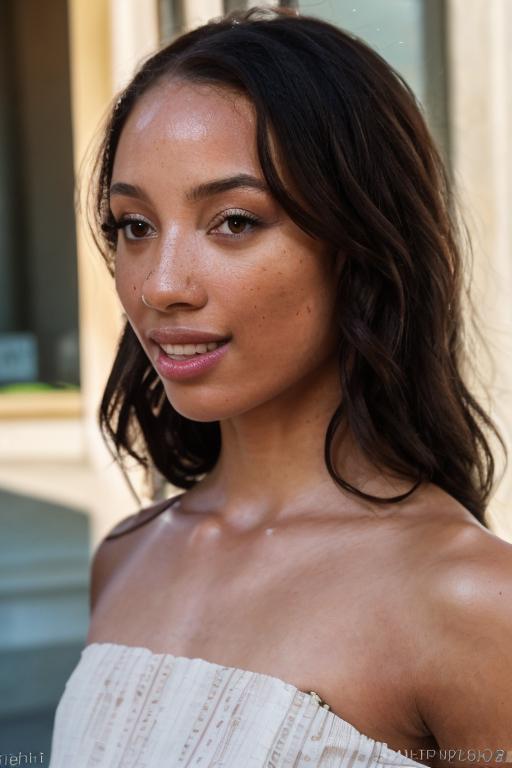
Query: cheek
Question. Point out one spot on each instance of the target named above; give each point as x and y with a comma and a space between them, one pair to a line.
126, 285
129, 295
289, 309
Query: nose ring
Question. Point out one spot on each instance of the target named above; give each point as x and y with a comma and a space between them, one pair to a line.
144, 301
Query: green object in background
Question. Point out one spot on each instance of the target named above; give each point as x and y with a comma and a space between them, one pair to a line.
37, 386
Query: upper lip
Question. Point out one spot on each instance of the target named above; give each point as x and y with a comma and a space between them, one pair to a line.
183, 336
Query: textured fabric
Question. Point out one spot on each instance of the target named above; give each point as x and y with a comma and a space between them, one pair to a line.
127, 707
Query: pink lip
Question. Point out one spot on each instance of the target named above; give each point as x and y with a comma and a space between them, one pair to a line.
176, 370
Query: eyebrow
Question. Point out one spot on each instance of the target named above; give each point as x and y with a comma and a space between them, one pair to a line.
199, 192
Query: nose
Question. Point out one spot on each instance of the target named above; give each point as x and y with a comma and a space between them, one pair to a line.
173, 278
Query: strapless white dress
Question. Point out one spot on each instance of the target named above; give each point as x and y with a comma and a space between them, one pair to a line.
128, 707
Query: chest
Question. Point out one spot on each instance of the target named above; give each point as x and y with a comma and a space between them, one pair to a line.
324, 618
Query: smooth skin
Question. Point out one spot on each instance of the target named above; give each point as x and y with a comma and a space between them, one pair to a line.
399, 616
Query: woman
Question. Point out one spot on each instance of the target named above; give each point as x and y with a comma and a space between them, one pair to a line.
325, 591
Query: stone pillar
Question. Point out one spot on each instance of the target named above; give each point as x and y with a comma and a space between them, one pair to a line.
480, 102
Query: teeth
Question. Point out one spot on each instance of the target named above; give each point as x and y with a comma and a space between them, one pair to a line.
189, 349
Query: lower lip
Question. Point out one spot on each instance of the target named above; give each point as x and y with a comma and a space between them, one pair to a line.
187, 369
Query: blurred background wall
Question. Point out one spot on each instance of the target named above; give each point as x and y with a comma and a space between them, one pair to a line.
61, 62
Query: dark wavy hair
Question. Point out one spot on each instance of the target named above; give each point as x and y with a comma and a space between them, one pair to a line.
355, 144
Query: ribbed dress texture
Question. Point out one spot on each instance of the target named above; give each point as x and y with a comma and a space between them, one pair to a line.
128, 707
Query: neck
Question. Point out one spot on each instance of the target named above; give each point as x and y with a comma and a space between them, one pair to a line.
271, 466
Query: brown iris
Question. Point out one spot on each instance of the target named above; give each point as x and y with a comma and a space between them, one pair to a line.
240, 222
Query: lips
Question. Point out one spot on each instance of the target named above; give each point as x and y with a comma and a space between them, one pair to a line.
189, 367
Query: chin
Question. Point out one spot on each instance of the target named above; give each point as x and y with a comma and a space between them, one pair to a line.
202, 408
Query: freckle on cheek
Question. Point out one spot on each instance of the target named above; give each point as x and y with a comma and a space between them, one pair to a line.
308, 308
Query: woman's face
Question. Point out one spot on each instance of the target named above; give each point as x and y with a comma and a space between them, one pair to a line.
225, 259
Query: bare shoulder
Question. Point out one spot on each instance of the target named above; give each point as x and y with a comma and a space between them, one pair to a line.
118, 545
463, 629
110, 554
467, 561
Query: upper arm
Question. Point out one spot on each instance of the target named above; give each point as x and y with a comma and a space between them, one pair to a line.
104, 562
465, 696
97, 578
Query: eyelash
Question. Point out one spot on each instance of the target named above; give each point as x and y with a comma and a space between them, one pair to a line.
234, 213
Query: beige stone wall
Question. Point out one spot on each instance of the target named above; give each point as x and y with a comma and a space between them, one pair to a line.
480, 98
197, 12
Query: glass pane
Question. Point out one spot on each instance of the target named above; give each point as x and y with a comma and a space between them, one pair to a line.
236, 5
392, 27
170, 13
407, 33
38, 269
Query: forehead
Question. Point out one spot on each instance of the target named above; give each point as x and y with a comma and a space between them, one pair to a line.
192, 122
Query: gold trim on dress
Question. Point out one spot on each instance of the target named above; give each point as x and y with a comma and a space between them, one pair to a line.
320, 701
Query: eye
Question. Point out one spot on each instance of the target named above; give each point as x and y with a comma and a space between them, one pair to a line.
237, 222
136, 226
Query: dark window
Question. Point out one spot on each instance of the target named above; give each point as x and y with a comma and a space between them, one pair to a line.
38, 265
